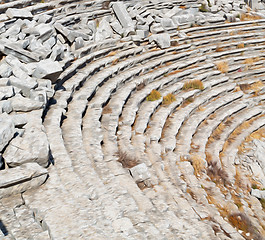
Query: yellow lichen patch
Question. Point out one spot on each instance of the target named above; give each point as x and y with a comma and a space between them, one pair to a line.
168, 99
222, 67
193, 84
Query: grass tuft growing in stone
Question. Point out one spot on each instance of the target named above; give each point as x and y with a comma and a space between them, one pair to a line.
168, 99
222, 67
154, 95
193, 84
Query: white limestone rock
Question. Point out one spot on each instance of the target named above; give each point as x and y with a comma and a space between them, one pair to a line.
7, 130
24, 84
22, 104
18, 13
48, 69
122, 14
32, 147
6, 92
19, 179
123, 225
5, 70
140, 172
104, 31
5, 106
162, 40
258, 193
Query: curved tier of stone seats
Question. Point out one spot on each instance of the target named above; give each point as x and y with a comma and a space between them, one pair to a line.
99, 112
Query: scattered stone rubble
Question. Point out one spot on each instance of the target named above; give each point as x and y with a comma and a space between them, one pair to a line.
38, 44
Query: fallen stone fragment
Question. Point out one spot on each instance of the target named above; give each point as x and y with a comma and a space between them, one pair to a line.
104, 31
140, 172
162, 40
32, 147
5, 70
7, 130
18, 13
79, 43
6, 92
19, 179
122, 15
5, 106
16, 50
48, 69
258, 193
24, 84
21, 104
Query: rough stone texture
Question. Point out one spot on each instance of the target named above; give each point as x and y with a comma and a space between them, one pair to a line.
21, 104
258, 193
48, 69
162, 40
140, 172
122, 14
18, 13
33, 146
19, 179
7, 130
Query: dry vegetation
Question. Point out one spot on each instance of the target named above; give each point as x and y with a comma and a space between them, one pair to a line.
168, 99
193, 84
126, 160
219, 49
216, 173
198, 164
154, 95
222, 67
240, 45
248, 17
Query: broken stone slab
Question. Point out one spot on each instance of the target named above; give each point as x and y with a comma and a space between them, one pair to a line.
122, 15
258, 193
18, 13
162, 40
104, 31
5, 70
140, 172
16, 50
5, 106
48, 69
4, 82
7, 130
33, 146
116, 26
25, 84
44, 18
6, 92
79, 43
142, 33
19, 179
22, 104
167, 23
44, 31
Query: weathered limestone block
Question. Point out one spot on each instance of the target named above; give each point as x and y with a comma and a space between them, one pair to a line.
5, 106
104, 31
21, 104
6, 92
24, 84
7, 130
18, 13
162, 40
122, 14
258, 193
48, 69
32, 147
140, 172
20, 179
